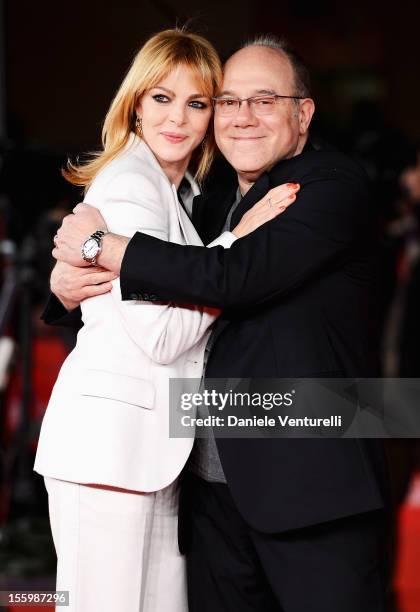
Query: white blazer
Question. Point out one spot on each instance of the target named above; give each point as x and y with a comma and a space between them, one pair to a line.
107, 421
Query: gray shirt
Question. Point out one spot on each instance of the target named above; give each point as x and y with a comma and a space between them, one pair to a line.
204, 460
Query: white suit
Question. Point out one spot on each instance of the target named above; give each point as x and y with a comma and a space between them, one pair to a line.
107, 419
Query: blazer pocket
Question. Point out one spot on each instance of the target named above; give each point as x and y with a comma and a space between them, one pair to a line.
128, 389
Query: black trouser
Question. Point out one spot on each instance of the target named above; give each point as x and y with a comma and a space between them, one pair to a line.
332, 567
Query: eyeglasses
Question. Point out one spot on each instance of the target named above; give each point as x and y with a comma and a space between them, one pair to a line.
259, 105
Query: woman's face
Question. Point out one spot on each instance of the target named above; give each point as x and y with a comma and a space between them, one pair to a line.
175, 115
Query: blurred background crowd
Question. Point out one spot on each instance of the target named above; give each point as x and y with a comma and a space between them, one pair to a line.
59, 67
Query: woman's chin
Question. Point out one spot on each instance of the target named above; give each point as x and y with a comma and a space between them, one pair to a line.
171, 155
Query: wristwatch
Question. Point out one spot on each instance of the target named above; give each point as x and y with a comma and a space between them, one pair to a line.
92, 247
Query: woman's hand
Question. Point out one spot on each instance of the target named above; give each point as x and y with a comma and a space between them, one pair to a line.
72, 285
272, 204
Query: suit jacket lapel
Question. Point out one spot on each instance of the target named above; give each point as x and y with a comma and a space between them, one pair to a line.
188, 231
210, 212
264, 184
257, 191
190, 234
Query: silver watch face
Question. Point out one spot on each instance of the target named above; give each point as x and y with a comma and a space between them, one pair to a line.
90, 248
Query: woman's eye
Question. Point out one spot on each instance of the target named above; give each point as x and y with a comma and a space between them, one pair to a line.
197, 104
161, 98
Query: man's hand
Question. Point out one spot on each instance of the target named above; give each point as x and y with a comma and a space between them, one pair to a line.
75, 229
72, 285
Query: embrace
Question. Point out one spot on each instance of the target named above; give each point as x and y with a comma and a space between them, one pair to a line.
265, 277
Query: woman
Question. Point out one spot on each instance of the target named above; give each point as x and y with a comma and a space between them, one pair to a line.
109, 464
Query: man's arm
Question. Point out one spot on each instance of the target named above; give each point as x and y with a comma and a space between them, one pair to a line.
70, 286
329, 217
55, 313
76, 228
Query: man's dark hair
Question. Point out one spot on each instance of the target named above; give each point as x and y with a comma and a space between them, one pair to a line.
301, 73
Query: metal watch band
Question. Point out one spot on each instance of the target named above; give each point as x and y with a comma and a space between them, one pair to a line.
97, 236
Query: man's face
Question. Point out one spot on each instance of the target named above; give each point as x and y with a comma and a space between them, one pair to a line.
251, 143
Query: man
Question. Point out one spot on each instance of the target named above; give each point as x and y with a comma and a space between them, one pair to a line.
273, 525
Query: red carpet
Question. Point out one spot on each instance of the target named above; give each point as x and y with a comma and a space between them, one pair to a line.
407, 579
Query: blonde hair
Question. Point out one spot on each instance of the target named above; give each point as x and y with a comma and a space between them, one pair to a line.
161, 54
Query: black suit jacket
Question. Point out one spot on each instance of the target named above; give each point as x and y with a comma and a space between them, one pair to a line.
294, 296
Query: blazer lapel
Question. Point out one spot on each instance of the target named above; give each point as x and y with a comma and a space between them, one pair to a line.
266, 181
190, 234
210, 212
257, 191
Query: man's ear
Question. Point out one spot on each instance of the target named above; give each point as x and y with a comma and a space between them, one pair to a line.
306, 111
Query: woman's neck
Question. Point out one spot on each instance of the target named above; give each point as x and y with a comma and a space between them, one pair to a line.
175, 171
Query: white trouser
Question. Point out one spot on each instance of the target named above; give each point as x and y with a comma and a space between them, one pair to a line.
117, 552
